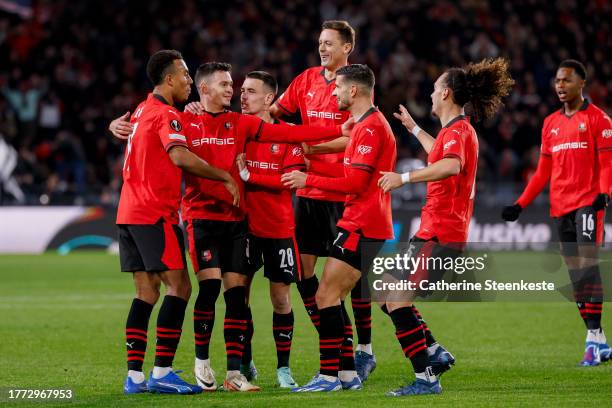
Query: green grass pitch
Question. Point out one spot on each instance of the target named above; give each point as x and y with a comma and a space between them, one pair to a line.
62, 321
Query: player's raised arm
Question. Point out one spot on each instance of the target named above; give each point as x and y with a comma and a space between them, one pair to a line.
424, 138
284, 133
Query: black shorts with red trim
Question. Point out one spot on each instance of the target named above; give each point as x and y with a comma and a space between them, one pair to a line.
152, 248
278, 256
355, 249
315, 225
217, 244
581, 226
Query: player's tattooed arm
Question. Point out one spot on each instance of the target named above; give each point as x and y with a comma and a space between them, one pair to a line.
424, 138
121, 127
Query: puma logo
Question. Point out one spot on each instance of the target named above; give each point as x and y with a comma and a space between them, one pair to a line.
555, 131
130, 345
289, 271
310, 94
589, 235
370, 131
287, 335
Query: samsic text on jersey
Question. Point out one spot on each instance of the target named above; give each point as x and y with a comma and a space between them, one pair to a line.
311, 94
573, 143
270, 207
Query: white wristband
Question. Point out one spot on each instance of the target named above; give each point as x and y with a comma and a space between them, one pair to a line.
415, 130
245, 174
405, 177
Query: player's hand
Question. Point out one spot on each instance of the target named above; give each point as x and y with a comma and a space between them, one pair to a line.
306, 148
389, 181
511, 212
245, 174
601, 201
294, 179
405, 117
233, 189
121, 127
241, 161
197, 108
348, 126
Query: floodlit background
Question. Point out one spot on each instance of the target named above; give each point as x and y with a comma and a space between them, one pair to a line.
68, 67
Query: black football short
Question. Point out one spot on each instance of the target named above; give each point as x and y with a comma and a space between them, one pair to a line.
315, 225
581, 226
152, 248
217, 244
278, 256
355, 249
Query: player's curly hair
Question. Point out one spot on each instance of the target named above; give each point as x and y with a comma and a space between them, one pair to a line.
480, 86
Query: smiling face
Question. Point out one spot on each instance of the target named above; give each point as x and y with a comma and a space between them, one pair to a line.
332, 50
255, 96
180, 81
344, 93
218, 89
568, 85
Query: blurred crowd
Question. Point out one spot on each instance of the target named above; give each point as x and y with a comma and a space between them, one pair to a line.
72, 67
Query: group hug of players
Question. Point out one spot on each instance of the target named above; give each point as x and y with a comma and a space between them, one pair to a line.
240, 170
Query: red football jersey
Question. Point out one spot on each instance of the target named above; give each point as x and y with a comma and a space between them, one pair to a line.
450, 202
151, 182
573, 143
371, 148
217, 138
270, 207
311, 94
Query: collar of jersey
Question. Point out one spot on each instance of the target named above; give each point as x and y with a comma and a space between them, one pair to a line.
367, 113
585, 105
325, 79
458, 118
161, 99
218, 113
